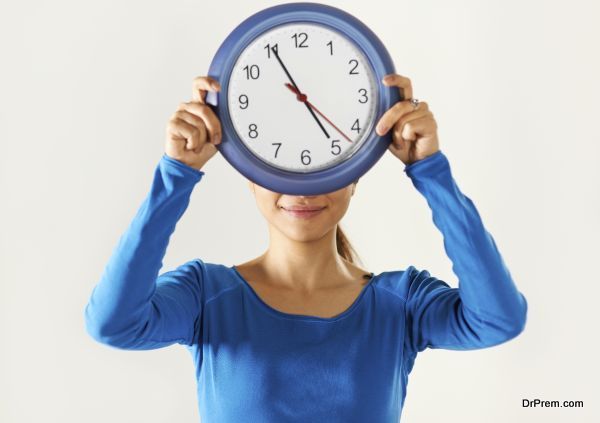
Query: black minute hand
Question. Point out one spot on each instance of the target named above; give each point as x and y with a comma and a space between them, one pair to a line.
274, 50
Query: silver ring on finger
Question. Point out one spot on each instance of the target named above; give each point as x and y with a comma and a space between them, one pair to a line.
415, 103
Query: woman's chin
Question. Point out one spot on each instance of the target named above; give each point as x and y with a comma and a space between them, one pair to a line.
301, 232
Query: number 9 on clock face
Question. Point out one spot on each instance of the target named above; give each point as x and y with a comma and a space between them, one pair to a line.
302, 97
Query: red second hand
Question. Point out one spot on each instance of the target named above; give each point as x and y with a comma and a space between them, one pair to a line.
302, 97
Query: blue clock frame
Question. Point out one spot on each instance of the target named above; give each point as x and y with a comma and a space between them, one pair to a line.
241, 158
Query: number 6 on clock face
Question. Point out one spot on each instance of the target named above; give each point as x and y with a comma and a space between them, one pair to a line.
302, 97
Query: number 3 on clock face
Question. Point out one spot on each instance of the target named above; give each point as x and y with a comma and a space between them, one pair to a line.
302, 97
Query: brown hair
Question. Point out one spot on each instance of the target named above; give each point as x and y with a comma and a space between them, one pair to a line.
344, 248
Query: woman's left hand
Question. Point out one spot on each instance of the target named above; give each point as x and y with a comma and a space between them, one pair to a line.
415, 130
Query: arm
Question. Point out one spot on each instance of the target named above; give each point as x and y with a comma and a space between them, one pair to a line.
132, 308
486, 309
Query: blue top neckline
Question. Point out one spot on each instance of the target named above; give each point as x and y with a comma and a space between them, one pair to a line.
305, 317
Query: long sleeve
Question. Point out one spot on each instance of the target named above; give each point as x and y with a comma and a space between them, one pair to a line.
132, 307
486, 309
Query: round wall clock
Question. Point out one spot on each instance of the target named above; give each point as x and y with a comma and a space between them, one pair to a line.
300, 96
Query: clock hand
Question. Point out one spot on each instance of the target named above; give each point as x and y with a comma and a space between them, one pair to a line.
302, 97
292, 81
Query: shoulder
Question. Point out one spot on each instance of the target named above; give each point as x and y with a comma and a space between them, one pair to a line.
213, 279
402, 283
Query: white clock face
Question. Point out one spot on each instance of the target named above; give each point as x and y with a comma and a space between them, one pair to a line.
302, 97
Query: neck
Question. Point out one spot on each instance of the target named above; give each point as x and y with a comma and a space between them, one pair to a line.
304, 266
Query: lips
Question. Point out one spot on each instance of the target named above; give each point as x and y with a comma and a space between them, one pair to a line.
302, 211
299, 207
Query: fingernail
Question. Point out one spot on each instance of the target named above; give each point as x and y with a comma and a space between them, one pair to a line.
215, 85
215, 139
381, 129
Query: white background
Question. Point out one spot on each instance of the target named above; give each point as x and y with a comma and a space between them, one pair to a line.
86, 89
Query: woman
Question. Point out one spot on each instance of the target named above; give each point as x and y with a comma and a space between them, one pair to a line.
298, 334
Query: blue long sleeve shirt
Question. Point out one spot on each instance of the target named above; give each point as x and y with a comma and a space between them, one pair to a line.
255, 363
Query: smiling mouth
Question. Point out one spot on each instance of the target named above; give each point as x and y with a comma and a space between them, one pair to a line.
302, 212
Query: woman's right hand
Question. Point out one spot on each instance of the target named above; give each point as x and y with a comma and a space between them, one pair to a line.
194, 130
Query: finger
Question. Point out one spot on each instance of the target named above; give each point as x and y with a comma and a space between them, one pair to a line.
394, 113
413, 129
201, 85
208, 116
399, 126
403, 83
194, 136
399, 136
196, 121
